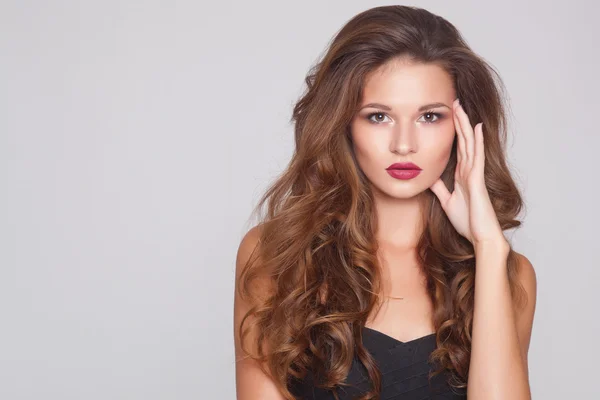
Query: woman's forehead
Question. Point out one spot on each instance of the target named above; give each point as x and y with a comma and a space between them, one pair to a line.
403, 85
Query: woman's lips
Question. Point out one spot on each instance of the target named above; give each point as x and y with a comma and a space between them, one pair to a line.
403, 165
403, 173
405, 170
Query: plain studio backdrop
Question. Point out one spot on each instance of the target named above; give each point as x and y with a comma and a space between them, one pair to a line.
136, 136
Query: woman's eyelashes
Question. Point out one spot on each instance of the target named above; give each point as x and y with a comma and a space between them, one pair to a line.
432, 114
430, 117
369, 116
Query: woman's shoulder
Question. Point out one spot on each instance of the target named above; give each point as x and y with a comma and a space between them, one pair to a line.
525, 306
251, 376
248, 243
249, 251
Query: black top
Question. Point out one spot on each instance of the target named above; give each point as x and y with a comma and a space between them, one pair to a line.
404, 368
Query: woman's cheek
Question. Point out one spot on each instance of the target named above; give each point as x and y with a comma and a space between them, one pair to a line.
440, 151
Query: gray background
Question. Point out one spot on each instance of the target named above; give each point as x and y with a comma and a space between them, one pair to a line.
136, 136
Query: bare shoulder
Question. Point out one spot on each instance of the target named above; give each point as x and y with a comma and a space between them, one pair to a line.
251, 381
247, 245
527, 275
525, 314
248, 248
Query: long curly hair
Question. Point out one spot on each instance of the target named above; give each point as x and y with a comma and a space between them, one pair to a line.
317, 242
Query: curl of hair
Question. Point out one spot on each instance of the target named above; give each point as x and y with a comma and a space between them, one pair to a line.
317, 240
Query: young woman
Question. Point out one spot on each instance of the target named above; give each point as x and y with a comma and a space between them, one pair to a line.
381, 269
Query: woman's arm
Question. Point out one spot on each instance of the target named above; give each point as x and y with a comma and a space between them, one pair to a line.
501, 332
500, 337
251, 382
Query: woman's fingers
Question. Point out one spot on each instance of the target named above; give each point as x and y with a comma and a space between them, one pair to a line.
468, 135
461, 150
441, 191
479, 161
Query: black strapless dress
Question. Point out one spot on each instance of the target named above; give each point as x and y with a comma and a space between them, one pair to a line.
404, 368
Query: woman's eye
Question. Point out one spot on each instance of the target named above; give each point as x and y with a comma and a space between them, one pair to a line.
378, 119
429, 117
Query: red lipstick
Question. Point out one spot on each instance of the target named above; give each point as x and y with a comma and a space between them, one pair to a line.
406, 170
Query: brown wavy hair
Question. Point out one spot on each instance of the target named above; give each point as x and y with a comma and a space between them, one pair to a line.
317, 243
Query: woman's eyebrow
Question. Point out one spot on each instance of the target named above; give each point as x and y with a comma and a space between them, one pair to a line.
422, 108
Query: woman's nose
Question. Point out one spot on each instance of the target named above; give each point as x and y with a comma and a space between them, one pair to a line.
404, 140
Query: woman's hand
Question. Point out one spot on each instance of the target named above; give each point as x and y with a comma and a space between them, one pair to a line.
469, 207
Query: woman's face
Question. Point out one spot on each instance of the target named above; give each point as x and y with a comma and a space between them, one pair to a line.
404, 126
